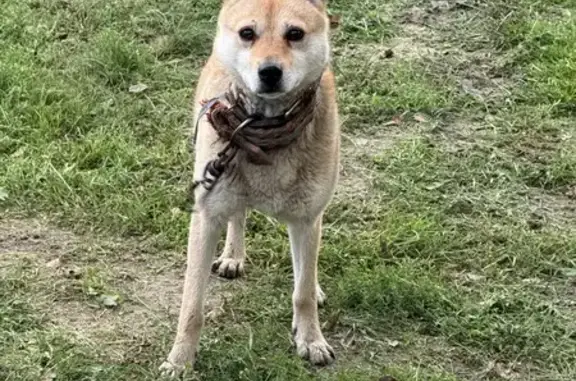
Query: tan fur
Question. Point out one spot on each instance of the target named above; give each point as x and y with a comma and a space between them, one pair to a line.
296, 188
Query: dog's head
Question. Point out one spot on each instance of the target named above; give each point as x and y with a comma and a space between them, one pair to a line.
273, 47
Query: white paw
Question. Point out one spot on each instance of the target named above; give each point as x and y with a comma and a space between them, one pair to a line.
318, 352
181, 357
167, 369
228, 267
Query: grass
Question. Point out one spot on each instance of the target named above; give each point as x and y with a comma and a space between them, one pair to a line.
449, 250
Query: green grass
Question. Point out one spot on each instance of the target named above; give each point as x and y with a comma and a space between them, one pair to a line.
453, 257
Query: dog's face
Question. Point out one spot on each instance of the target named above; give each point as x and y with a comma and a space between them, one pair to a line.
273, 47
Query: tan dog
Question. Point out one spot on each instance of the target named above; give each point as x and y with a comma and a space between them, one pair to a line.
271, 52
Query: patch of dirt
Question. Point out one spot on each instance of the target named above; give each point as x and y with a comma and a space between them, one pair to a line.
408, 48
553, 210
540, 208
355, 176
150, 292
32, 237
446, 32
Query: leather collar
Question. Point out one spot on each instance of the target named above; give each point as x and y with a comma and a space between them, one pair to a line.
254, 134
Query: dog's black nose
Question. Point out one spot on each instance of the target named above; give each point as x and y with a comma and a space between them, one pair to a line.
270, 75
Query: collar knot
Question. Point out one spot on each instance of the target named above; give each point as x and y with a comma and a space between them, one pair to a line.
254, 134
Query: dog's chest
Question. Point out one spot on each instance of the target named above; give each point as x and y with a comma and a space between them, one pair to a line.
280, 189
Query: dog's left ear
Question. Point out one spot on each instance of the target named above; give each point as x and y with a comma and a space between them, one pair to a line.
334, 19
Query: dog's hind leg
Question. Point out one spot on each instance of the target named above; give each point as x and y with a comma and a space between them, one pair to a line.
202, 242
231, 263
305, 242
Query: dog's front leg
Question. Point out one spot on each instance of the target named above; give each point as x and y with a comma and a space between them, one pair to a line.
305, 242
231, 263
202, 242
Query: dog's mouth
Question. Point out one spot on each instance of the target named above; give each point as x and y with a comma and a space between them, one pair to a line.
277, 93
271, 95
271, 92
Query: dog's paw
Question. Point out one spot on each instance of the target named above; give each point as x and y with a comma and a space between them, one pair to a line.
181, 357
167, 369
229, 268
318, 352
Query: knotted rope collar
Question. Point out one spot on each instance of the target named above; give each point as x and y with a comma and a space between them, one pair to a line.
253, 134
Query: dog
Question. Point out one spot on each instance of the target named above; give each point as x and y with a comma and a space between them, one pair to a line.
267, 138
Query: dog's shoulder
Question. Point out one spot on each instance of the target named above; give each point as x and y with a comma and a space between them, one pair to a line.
213, 81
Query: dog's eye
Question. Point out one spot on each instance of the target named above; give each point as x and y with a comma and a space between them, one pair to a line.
247, 34
294, 34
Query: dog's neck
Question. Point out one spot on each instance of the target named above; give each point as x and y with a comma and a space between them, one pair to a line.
267, 107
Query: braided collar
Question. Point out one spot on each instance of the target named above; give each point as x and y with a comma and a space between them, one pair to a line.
254, 134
